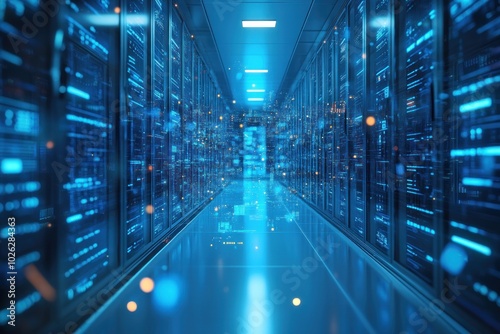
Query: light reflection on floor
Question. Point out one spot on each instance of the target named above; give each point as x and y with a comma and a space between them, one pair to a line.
257, 260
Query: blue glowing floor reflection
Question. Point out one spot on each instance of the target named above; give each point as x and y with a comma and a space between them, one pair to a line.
257, 260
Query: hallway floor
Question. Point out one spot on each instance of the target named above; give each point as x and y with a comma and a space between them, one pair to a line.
258, 260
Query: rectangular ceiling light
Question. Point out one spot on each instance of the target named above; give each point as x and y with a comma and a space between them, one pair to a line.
256, 90
258, 24
256, 71
255, 99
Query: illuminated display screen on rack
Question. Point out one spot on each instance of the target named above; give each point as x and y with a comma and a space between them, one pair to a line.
195, 188
159, 122
136, 130
312, 118
355, 116
187, 121
88, 132
306, 135
416, 157
475, 155
175, 118
379, 145
342, 172
23, 184
86, 190
329, 131
320, 129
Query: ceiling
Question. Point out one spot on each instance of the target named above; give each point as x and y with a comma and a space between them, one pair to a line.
229, 49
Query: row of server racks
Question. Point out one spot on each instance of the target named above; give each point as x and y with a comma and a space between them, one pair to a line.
392, 132
112, 136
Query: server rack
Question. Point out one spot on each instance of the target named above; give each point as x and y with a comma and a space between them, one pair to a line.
312, 118
414, 160
356, 107
341, 140
409, 143
135, 128
471, 114
159, 119
85, 202
187, 121
379, 122
87, 140
26, 156
175, 130
320, 102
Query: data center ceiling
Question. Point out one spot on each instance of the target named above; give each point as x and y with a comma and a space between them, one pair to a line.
229, 49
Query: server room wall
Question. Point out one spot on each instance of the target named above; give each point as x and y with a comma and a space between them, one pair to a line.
112, 136
391, 132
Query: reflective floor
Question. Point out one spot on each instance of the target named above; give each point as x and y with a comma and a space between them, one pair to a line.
258, 260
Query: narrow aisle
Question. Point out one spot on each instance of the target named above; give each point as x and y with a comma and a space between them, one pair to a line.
258, 260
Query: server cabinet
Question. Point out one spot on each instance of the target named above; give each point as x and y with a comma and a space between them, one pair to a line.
284, 163
415, 164
135, 128
86, 205
471, 256
294, 160
26, 146
329, 146
159, 119
356, 117
297, 142
175, 130
429, 153
288, 151
312, 119
378, 120
88, 147
341, 140
209, 157
306, 140
294, 172
213, 137
306, 137
187, 121
320, 127
204, 109
301, 153
196, 131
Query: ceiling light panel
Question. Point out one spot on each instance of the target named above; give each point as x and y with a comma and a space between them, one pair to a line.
258, 24
256, 71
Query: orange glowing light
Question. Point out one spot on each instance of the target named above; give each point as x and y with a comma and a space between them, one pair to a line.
117, 10
50, 144
36, 278
147, 285
149, 209
132, 306
370, 121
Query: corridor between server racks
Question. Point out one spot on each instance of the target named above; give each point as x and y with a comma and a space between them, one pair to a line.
249, 166
258, 260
